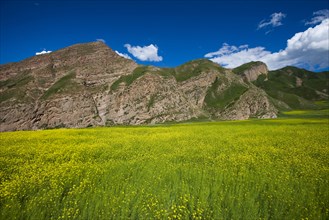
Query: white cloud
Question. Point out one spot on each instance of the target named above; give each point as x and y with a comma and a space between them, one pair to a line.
235, 57
308, 49
275, 20
123, 55
146, 53
318, 17
101, 40
43, 52
224, 50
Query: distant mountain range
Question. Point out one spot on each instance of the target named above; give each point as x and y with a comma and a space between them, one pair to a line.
90, 85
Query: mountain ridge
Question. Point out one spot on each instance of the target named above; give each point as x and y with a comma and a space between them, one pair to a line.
91, 85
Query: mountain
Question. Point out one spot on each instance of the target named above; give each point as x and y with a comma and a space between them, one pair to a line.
90, 85
298, 88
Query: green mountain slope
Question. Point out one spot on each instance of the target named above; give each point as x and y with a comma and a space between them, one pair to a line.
298, 88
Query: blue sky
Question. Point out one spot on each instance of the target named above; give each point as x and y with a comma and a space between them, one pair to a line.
168, 33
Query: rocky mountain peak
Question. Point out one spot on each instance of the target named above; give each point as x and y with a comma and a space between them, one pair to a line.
251, 71
94, 54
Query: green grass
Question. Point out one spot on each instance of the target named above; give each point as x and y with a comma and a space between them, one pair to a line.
129, 79
181, 73
166, 72
151, 102
194, 68
281, 85
64, 84
14, 87
318, 84
294, 101
17, 81
255, 169
323, 113
244, 67
324, 104
283, 88
222, 99
188, 70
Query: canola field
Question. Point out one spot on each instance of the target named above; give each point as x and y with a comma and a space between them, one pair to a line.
254, 169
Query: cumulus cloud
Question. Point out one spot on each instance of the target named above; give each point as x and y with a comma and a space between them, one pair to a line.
146, 53
226, 49
101, 40
308, 49
274, 21
318, 17
235, 56
43, 52
123, 55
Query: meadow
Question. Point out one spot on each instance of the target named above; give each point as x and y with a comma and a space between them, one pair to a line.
254, 169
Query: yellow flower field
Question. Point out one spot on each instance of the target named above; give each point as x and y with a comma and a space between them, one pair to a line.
255, 169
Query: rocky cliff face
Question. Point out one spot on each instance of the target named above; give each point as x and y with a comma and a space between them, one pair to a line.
58, 89
251, 71
90, 85
253, 103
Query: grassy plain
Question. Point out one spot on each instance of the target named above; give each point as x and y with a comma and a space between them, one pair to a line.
255, 169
